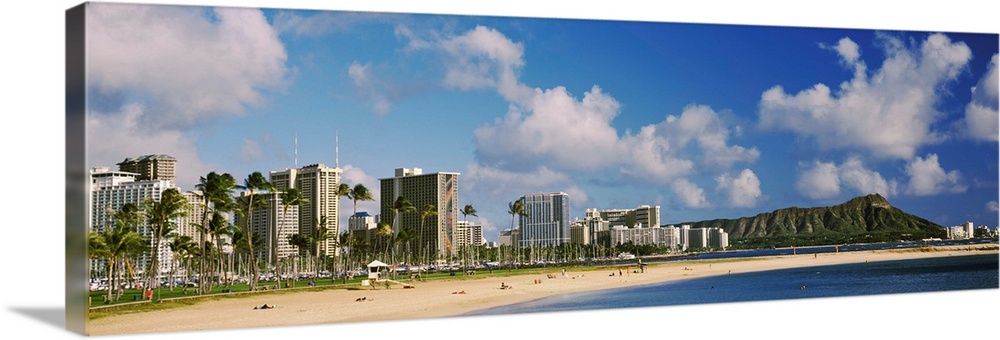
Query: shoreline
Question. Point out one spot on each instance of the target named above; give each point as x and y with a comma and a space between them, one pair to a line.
450, 298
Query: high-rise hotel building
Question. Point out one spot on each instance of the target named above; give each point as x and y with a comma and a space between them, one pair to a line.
188, 224
546, 219
151, 167
319, 184
469, 235
110, 190
439, 189
273, 223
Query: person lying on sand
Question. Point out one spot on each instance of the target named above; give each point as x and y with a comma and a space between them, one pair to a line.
264, 306
459, 292
360, 299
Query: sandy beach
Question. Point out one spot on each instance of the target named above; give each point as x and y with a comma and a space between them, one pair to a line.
455, 297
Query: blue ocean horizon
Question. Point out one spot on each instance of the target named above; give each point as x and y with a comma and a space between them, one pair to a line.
939, 274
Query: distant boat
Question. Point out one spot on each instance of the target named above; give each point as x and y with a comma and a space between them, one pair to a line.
625, 256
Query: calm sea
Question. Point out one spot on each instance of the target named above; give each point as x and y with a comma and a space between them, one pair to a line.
883, 277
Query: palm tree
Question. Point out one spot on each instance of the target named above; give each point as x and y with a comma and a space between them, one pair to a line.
301, 242
385, 233
117, 242
253, 183
320, 234
343, 190
180, 246
348, 239
218, 227
466, 211
161, 216
358, 193
240, 243
289, 198
399, 206
516, 209
293, 197
428, 210
405, 236
216, 191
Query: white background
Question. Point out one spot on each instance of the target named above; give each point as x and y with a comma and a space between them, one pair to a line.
33, 203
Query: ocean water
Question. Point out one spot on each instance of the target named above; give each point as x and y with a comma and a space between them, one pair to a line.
882, 277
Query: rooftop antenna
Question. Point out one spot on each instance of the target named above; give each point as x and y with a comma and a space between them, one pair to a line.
336, 149
296, 164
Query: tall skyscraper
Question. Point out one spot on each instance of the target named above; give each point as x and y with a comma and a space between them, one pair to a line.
546, 219
151, 167
433, 233
319, 184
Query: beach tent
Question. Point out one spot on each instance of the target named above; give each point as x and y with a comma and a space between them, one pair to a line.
374, 267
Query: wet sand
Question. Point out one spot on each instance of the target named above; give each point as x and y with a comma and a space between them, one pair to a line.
455, 297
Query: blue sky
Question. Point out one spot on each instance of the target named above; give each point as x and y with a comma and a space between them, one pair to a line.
706, 121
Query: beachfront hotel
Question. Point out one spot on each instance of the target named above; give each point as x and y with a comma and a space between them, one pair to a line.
187, 225
273, 223
966, 230
668, 236
151, 167
469, 235
109, 191
439, 189
363, 226
318, 184
716, 238
596, 226
545, 221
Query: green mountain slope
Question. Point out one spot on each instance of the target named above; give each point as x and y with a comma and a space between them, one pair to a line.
865, 215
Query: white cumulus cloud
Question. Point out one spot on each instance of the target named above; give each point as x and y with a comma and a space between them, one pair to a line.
855, 175
557, 129
827, 179
549, 133
982, 120
822, 180
690, 194
742, 191
889, 113
928, 178
368, 88
111, 137
192, 64
155, 70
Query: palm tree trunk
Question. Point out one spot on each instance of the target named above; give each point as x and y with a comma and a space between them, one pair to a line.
111, 283
253, 267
